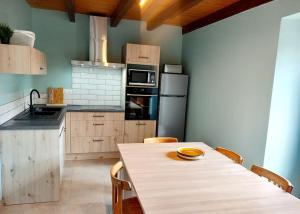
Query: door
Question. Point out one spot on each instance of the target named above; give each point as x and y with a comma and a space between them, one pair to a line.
38, 62
172, 116
137, 130
174, 84
14, 59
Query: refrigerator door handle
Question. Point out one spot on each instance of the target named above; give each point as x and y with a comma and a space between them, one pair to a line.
162, 95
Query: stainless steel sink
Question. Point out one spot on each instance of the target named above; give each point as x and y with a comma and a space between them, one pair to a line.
40, 113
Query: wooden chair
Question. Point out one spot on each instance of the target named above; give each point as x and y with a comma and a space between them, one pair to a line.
279, 181
120, 205
161, 140
230, 154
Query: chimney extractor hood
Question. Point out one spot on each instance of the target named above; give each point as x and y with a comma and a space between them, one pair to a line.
98, 45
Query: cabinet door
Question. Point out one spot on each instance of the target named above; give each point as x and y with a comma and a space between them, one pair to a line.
14, 59
149, 128
142, 54
96, 132
131, 133
68, 133
137, 130
61, 141
38, 62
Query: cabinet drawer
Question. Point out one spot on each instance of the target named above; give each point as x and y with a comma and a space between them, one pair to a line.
97, 128
95, 144
96, 116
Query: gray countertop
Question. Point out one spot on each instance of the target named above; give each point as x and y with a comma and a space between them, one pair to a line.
94, 108
55, 124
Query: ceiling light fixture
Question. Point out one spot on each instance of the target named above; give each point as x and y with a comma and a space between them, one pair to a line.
142, 2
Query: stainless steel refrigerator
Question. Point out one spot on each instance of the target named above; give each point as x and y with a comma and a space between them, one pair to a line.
172, 105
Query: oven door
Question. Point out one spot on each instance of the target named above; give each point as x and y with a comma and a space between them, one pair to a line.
140, 77
141, 106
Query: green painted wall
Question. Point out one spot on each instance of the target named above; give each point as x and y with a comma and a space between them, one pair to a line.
16, 14
62, 41
232, 64
283, 141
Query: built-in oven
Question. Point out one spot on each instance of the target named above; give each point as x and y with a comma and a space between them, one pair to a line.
141, 103
141, 75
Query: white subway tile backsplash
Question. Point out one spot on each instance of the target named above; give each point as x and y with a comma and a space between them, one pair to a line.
96, 102
80, 91
76, 74
95, 86
113, 92
80, 80
102, 87
113, 82
11, 109
88, 97
80, 102
76, 86
88, 86
97, 81
112, 103
116, 98
97, 92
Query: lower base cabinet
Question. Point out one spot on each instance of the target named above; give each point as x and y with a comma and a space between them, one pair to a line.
88, 133
137, 130
32, 162
94, 132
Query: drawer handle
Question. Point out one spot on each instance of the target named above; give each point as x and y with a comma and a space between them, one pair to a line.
140, 124
41, 68
143, 57
98, 124
97, 140
98, 115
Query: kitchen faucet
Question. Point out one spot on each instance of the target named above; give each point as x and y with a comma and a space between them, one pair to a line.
31, 106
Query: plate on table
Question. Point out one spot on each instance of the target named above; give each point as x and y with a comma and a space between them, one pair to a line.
190, 153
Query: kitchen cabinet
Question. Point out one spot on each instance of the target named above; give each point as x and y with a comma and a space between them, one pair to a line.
92, 132
16, 59
38, 62
137, 130
142, 54
32, 163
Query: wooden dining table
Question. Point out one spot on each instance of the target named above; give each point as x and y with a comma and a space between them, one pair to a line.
165, 183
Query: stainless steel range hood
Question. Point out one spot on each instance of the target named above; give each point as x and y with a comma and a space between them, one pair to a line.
98, 46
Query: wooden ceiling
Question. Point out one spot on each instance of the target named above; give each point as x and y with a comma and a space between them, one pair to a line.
190, 14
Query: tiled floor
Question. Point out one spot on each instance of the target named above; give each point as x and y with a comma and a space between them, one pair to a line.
86, 189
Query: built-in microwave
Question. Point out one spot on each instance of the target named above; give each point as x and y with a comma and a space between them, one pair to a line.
141, 76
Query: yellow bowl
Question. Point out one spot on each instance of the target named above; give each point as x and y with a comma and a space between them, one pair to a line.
190, 152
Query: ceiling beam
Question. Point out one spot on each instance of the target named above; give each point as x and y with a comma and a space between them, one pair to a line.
231, 10
176, 9
70, 5
121, 10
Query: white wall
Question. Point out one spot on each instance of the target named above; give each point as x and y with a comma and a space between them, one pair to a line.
232, 64
283, 141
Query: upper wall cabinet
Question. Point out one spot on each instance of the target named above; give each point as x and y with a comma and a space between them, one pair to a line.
142, 54
15, 59
38, 62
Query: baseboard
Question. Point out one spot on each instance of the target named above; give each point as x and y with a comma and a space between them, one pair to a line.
92, 156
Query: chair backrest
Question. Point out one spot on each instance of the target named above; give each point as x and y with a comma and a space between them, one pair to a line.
161, 140
118, 186
283, 183
230, 154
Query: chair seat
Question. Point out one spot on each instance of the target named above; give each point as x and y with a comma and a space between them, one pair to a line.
132, 206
